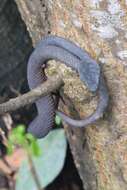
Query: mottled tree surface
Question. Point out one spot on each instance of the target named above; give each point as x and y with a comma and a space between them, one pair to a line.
98, 26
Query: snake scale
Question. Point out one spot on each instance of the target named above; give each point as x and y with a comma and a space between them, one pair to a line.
60, 49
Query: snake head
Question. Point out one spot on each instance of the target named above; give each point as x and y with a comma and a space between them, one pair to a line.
89, 72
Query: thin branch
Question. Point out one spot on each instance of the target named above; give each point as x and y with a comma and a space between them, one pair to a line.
49, 86
34, 172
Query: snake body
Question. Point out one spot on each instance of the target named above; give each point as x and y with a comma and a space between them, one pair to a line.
65, 51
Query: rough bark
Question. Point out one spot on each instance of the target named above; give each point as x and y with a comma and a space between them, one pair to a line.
98, 26
15, 47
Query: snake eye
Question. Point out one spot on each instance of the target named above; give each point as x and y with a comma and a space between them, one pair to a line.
89, 72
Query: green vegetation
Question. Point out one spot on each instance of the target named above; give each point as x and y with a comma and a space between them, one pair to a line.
45, 157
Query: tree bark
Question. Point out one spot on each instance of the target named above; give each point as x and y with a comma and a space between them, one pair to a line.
100, 151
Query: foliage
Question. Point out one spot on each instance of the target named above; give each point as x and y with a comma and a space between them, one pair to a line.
58, 120
48, 165
25, 140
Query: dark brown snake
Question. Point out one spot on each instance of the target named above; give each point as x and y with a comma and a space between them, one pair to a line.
65, 51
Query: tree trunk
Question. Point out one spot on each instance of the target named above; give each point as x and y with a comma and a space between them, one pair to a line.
15, 47
100, 151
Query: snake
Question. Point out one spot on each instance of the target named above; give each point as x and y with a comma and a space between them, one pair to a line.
62, 50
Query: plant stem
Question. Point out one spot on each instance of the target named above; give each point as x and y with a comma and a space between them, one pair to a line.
33, 172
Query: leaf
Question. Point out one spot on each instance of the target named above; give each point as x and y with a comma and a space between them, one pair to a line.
10, 148
20, 129
35, 149
32, 146
30, 137
48, 165
17, 139
17, 135
58, 120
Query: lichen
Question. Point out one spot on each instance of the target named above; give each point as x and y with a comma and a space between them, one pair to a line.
95, 3
106, 31
106, 23
122, 54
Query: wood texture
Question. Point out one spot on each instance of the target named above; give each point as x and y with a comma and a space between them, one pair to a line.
98, 26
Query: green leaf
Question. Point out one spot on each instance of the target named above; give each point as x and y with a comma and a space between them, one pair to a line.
10, 148
58, 120
30, 137
33, 146
17, 135
35, 149
17, 138
48, 165
20, 129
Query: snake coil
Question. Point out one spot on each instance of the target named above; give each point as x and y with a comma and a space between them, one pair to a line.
65, 51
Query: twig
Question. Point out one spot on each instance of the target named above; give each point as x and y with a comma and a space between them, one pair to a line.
12, 170
2, 133
33, 172
49, 86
